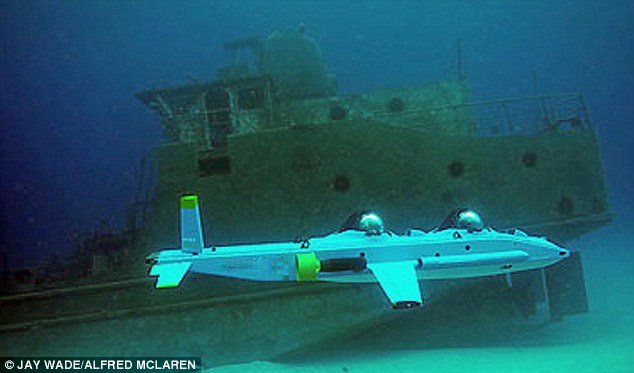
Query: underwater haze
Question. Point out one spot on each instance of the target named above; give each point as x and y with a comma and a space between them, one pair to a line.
73, 133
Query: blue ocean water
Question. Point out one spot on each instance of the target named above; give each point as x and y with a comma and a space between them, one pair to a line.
72, 132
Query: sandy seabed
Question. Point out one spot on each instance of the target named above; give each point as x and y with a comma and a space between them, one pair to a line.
599, 341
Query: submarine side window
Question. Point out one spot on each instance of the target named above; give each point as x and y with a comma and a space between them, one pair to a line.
220, 165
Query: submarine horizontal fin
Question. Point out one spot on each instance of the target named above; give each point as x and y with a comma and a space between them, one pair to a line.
171, 274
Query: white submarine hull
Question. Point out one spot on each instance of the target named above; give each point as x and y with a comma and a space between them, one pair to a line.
396, 262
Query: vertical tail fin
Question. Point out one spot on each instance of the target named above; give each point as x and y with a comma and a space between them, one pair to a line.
192, 240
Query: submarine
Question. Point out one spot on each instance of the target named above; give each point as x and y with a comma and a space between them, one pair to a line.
368, 254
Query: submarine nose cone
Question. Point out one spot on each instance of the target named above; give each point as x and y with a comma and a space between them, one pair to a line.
563, 253
470, 220
371, 223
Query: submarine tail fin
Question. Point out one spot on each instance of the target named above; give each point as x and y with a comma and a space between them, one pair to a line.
170, 274
192, 240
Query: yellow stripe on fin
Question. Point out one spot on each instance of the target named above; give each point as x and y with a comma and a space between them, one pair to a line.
189, 201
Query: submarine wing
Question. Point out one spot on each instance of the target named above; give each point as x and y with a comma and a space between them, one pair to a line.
399, 282
170, 274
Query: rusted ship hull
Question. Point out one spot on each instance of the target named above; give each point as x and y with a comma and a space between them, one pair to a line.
550, 183
131, 318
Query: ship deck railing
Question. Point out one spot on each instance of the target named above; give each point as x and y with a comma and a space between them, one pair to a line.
509, 116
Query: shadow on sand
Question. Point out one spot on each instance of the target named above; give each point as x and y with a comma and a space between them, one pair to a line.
471, 317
